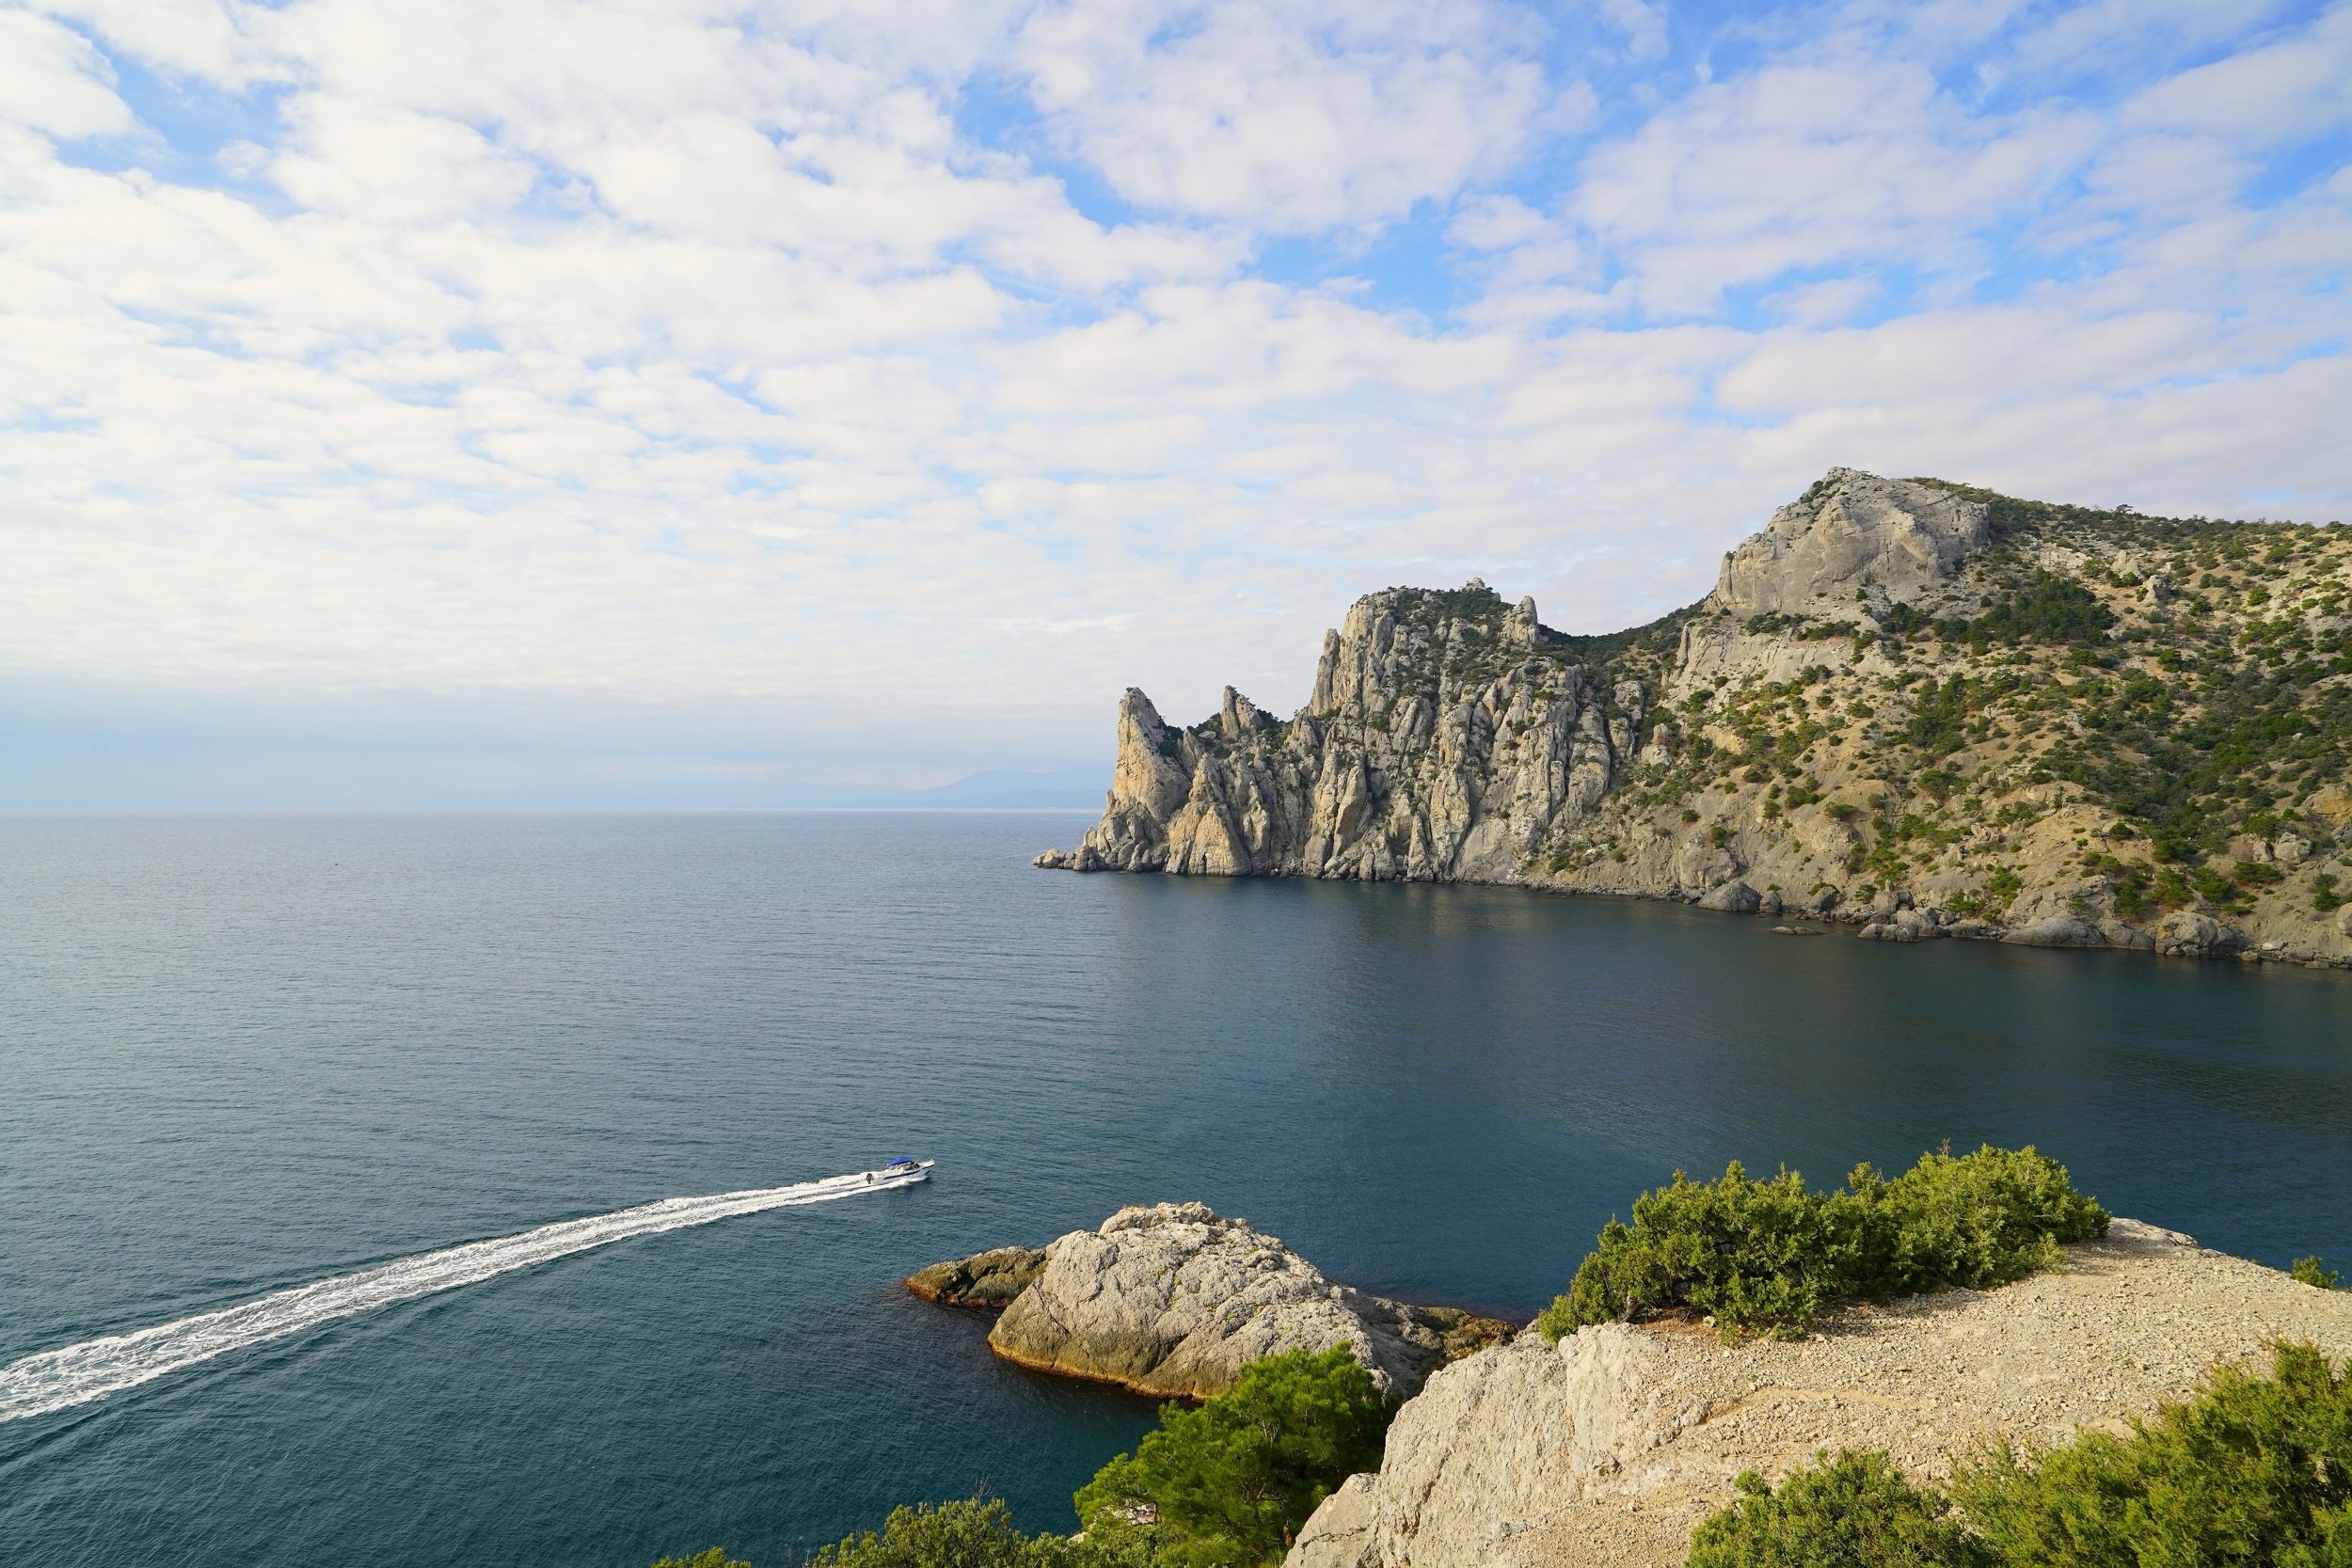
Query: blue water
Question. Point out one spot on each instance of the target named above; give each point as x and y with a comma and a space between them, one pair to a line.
243, 1054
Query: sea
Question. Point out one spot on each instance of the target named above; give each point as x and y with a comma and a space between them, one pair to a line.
356, 1063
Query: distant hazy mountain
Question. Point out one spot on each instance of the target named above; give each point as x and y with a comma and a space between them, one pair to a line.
1005, 789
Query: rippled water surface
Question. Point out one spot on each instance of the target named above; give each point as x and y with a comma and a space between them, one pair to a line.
243, 1055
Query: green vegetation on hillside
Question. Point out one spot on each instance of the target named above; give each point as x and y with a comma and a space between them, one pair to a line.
2256, 1470
1227, 1485
2138, 713
1769, 1255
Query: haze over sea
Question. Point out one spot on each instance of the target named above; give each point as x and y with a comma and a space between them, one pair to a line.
244, 1053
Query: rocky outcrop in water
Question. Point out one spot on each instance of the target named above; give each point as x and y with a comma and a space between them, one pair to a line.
1920, 710
1175, 1299
1611, 1446
989, 1280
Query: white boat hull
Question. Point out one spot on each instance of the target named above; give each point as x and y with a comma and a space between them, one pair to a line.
903, 1177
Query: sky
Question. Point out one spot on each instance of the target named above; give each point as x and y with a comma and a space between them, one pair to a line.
582, 402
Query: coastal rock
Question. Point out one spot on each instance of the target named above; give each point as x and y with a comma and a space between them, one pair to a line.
2186, 934
987, 1280
2062, 930
1904, 925
1176, 1299
1609, 1447
1733, 898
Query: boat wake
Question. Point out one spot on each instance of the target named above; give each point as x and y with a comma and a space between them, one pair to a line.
55, 1379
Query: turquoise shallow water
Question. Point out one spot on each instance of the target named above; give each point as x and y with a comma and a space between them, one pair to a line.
244, 1053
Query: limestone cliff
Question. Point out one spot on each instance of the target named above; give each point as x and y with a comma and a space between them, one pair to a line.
1914, 707
1175, 1299
1611, 1446
1447, 736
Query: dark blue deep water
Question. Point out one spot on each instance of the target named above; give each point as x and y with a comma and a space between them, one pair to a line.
242, 1054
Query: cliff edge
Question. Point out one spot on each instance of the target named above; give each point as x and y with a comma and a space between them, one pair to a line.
1910, 706
1610, 1446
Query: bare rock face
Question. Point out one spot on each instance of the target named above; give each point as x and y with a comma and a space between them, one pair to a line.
987, 1280
2185, 933
1176, 1299
1611, 1446
1733, 898
1447, 734
1853, 537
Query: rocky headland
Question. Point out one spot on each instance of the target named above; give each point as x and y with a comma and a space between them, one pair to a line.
1175, 1299
1910, 706
1611, 1446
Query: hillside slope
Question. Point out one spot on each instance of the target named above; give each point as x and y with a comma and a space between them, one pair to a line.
1911, 705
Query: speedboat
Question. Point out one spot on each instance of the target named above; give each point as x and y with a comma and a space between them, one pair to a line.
901, 1173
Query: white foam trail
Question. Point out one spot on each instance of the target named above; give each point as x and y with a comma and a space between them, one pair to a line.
55, 1379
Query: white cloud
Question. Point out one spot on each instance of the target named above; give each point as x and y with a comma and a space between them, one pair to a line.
52, 80
215, 42
2291, 89
1643, 22
1288, 118
598, 357
1826, 164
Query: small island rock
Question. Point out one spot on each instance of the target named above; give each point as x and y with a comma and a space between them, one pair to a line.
1175, 1299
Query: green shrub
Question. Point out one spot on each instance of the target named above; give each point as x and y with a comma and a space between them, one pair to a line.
1978, 1220
1228, 1485
2310, 1272
2256, 1470
1853, 1511
974, 1534
2211, 886
2253, 1470
1768, 1255
1755, 1253
2050, 608
715, 1557
977, 1533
